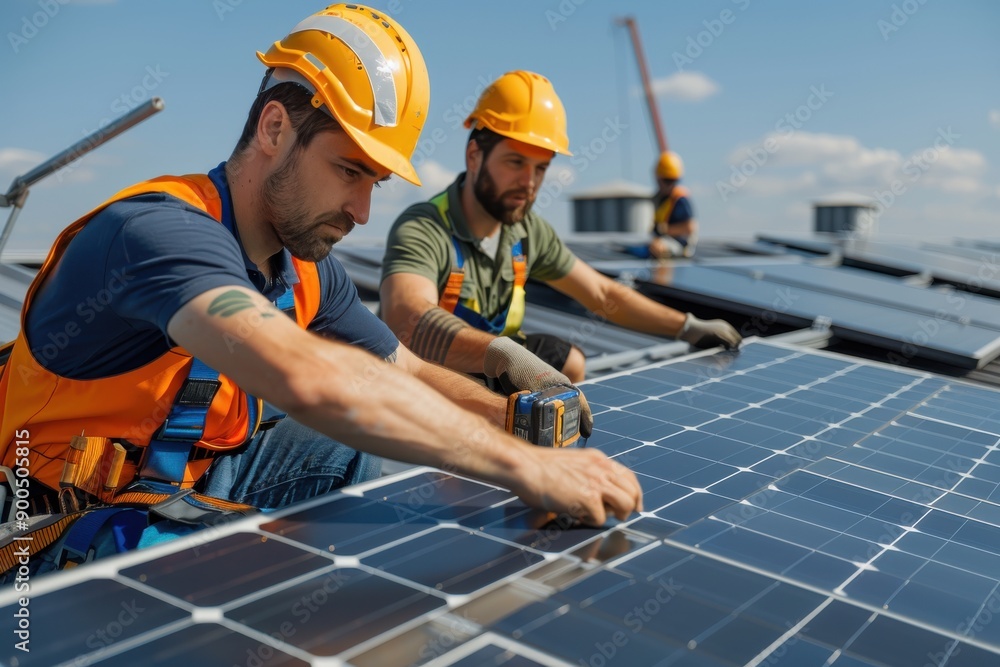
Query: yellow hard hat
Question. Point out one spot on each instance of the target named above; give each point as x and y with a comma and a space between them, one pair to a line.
368, 73
669, 166
523, 106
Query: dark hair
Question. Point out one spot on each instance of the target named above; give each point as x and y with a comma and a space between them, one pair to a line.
486, 139
307, 120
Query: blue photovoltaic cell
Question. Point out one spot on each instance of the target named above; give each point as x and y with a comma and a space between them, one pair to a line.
801, 508
205, 645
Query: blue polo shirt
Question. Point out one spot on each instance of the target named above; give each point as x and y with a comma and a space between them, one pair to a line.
106, 306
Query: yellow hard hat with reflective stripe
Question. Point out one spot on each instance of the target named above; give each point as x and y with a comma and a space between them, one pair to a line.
523, 106
669, 166
367, 72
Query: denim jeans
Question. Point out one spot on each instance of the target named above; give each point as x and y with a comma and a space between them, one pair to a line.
286, 464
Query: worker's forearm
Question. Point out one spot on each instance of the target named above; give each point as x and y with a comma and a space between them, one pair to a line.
442, 338
465, 392
628, 308
374, 406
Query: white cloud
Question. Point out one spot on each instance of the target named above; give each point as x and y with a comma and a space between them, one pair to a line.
435, 176
764, 185
782, 162
685, 86
18, 160
995, 117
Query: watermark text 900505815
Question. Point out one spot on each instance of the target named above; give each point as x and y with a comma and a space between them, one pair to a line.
19, 500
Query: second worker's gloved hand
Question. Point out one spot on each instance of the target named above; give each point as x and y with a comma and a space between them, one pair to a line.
709, 333
518, 369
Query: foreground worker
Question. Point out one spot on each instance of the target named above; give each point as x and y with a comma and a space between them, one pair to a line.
222, 290
675, 230
454, 273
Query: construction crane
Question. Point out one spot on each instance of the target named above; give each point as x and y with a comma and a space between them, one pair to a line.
654, 114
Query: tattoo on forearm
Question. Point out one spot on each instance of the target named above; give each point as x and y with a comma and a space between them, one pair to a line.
391, 359
434, 334
231, 302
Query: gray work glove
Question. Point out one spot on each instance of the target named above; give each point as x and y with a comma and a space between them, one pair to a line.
709, 333
517, 369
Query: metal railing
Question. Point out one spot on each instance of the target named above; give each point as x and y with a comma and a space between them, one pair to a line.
17, 194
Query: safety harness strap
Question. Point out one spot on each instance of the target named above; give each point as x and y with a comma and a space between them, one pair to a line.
510, 319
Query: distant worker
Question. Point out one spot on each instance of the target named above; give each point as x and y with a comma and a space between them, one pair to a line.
224, 294
674, 228
456, 267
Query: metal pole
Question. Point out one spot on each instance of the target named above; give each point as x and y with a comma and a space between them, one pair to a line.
18, 192
9, 227
81, 148
654, 114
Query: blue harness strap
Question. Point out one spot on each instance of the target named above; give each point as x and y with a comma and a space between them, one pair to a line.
168, 452
286, 303
129, 522
473, 317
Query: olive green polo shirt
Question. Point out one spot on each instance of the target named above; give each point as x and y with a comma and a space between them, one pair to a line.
420, 242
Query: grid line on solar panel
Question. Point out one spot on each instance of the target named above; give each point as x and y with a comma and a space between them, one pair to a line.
802, 514
717, 630
860, 578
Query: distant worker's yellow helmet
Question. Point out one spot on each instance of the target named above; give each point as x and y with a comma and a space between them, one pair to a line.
367, 72
523, 106
669, 166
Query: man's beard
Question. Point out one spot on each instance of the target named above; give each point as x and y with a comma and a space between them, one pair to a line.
281, 199
485, 189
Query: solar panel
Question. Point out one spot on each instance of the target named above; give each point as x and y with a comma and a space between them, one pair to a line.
907, 333
801, 508
14, 282
878, 288
813, 246
980, 276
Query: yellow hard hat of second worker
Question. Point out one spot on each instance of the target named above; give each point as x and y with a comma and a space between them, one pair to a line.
669, 166
367, 72
523, 106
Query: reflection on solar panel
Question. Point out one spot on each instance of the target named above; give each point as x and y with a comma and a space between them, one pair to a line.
801, 508
878, 288
904, 332
976, 275
813, 246
14, 282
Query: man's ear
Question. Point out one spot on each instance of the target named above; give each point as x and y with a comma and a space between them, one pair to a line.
473, 157
273, 128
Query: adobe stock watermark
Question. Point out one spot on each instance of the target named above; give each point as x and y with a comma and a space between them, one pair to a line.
913, 169
223, 7
103, 638
784, 128
302, 610
87, 311
563, 11
583, 156
152, 78
431, 139
635, 620
697, 44
33, 23
900, 14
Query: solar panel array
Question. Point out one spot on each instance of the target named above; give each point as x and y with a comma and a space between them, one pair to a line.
896, 327
801, 508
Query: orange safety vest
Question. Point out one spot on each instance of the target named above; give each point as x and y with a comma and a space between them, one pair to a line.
661, 219
42, 411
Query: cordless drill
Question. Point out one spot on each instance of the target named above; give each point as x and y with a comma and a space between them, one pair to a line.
548, 418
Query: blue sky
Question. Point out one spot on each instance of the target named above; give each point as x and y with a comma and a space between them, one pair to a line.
773, 105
